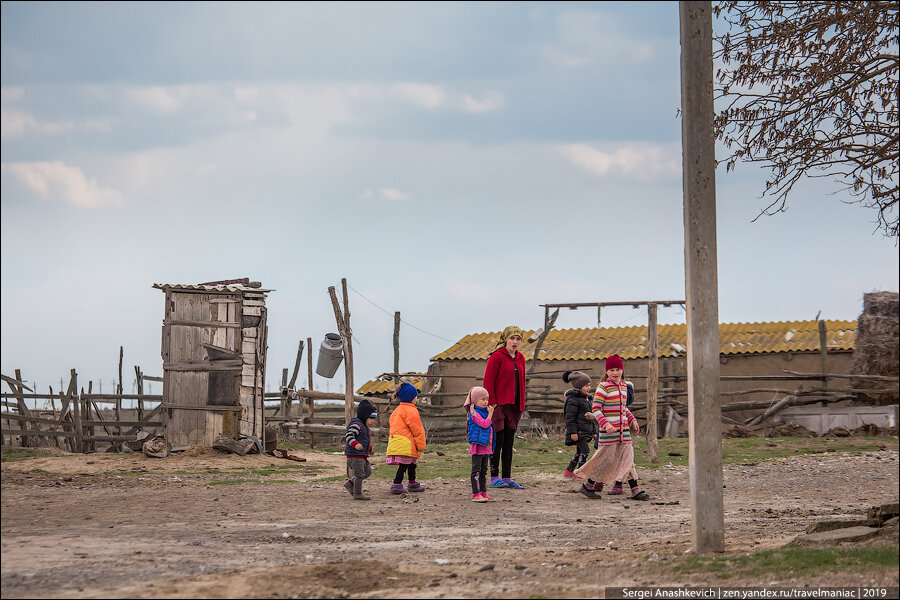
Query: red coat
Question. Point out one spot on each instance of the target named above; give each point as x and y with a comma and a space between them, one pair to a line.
500, 378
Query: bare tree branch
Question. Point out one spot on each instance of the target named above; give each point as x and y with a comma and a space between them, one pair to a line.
811, 90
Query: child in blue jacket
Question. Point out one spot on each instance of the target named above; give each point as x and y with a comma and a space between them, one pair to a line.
481, 438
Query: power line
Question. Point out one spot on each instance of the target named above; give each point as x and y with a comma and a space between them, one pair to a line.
401, 320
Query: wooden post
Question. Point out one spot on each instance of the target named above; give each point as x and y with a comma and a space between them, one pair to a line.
348, 355
652, 382
293, 380
76, 416
284, 382
396, 347
823, 349
309, 386
701, 279
140, 390
119, 388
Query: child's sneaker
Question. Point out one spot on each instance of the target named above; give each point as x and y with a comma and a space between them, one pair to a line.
498, 483
569, 474
486, 497
348, 485
616, 490
415, 486
397, 488
360, 497
478, 498
511, 483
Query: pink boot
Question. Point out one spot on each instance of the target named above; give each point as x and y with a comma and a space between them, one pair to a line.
415, 486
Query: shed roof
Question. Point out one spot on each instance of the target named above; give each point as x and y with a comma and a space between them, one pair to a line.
384, 384
631, 342
223, 288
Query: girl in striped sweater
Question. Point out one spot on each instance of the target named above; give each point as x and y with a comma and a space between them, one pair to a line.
613, 462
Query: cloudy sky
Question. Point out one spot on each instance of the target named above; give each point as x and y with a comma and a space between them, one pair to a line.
460, 163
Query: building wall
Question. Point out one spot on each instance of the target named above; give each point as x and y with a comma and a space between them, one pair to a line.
637, 370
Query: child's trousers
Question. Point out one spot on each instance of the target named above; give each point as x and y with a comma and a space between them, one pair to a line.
361, 469
582, 449
480, 465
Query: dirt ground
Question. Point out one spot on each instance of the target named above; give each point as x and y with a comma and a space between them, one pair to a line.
117, 526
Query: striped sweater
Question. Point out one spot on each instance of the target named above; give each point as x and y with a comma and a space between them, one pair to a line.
609, 407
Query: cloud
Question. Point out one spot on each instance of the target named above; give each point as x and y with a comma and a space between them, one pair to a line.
426, 95
385, 193
588, 38
632, 160
160, 99
420, 94
60, 182
16, 124
491, 101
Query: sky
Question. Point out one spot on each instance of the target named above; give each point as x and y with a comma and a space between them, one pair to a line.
462, 163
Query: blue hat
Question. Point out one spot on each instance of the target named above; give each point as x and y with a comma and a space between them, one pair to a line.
407, 392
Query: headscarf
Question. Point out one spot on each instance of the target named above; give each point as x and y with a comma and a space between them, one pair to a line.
475, 394
508, 333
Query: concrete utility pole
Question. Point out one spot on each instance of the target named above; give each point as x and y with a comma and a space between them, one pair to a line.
701, 279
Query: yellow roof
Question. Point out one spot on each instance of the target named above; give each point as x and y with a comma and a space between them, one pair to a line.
385, 385
631, 342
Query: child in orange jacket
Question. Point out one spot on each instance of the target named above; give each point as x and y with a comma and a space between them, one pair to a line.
407, 439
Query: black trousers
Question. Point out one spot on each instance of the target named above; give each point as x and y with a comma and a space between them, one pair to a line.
402, 469
582, 449
501, 459
479, 472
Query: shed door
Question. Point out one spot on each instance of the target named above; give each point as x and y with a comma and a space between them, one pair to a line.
193, 322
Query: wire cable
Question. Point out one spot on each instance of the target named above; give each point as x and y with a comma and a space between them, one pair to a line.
401, 320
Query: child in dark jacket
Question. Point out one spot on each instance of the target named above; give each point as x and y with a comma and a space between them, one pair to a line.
480, 435
580, 423
359, 448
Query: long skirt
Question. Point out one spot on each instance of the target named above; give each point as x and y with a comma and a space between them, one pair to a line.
610, 463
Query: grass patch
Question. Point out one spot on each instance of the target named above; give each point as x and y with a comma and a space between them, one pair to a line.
791, 562
14, 454
552, 455
280, 481
38, 471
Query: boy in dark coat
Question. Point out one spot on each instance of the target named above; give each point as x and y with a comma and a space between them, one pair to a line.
358, 448
580, 423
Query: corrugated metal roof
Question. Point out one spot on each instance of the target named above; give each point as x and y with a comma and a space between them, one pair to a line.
234, 287
631, 342
385, 385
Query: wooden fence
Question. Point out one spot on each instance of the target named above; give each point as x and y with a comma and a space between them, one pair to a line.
71, 420
447, 422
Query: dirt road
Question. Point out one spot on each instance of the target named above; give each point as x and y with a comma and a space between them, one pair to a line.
115, 526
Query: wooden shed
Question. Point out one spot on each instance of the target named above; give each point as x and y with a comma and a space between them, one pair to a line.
214, 361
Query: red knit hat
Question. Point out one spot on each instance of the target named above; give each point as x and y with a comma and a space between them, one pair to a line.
614, 362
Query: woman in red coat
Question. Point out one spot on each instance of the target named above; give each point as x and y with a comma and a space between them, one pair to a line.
504, 379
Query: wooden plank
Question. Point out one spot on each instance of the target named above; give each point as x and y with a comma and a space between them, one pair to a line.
202, 407
38, 433
217, 365
102, 423
252, 311
111, 398
29, 419
199, 323
652, 382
